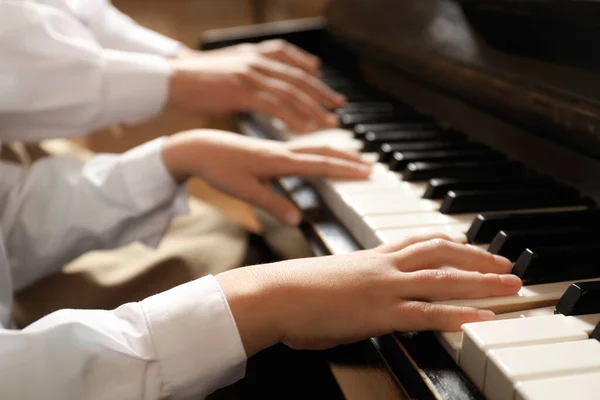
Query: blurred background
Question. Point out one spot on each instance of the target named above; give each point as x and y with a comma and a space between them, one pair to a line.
186, 21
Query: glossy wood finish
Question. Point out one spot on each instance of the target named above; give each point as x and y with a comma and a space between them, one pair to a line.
431, 40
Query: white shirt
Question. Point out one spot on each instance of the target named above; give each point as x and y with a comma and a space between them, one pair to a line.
56, 79
70, 66
175, 343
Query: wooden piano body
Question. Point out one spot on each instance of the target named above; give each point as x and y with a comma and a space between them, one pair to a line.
542, 111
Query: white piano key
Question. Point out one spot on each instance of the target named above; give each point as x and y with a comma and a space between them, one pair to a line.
452, 341
379, 174
400, 221
481, 337
533, 296
509, 367
370, 157
376, 204
381, 186
584, 386
337, 138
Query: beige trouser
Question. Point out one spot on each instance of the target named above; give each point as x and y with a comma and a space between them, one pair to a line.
203, 242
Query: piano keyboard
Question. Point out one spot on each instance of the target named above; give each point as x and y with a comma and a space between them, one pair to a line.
545, 343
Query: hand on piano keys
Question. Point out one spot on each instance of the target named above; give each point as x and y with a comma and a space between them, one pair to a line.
240, 166
317, 303
428, 178
273, 77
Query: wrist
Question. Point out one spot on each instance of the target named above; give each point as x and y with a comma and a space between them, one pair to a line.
178, 83
175, 155
185, 52
256, 304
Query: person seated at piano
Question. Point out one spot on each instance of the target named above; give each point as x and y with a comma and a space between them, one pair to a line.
196, 337
89, 66
70, 67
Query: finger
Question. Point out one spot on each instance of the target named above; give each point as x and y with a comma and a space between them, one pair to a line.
413, 239
420, 316
308, 84
437, 253
438, 284
268, 104
290, 54
328, 152
297, 101
259, 195
316, 166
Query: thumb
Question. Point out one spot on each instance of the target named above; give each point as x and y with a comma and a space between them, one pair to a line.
261, 196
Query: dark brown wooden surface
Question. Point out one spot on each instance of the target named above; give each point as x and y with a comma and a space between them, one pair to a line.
432, 40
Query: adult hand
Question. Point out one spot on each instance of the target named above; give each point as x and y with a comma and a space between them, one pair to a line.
322, 302
241, 166
271, 78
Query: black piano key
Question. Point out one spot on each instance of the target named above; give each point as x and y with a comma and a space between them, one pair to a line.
469, 201
345, 83
424, 171
547, 264
361, 130
596, 333
349, 120
511, 244
349, 115
387, 149
438, 188
368, 106
486, 226
373, 140
361, 95
580, 298
340, 83
400, 159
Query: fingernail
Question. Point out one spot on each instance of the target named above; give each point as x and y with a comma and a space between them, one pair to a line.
292, 218
510, 280
486, 315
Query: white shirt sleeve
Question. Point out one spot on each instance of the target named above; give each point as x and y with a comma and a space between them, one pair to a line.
61, 208
115, 30
56, 80
177, 343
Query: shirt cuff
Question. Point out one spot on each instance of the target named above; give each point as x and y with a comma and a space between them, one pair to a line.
144, 40
137, 86
195, 337
151, 185
124, 33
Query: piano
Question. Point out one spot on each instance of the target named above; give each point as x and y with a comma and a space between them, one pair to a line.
484, 123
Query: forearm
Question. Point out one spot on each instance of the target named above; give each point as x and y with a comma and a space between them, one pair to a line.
56, 53
177, 343
115, 30
61, 208
256, 305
